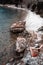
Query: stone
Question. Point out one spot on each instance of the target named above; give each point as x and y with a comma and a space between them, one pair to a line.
8, 64
18, 26
40, 33
20, 44
40, 29
21, 63
12, 59
37, 46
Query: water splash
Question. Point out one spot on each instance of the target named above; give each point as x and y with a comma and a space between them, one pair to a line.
33, 21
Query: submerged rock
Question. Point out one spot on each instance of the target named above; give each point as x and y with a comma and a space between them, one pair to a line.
18, 26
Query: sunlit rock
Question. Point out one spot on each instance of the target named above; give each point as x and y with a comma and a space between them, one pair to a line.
18, 26
20, 44
8, 64
40, 35
37, 46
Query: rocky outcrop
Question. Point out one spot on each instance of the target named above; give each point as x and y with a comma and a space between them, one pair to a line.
20, 44
17, 27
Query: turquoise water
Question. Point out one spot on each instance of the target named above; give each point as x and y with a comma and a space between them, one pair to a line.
7, 17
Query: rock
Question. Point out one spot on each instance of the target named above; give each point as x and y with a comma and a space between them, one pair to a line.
17, 26
8, 64
40, 29
20, 44
27, 63
37, 46
40, 35
19, 55
20, 47
11, 60
21, 63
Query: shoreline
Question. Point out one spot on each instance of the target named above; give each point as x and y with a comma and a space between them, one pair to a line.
14, 7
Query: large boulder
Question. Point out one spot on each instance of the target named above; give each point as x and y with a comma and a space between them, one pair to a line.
17, 26
20, 44
20, 47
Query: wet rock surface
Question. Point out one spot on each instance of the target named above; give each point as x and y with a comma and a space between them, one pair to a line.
17, 26
20, 44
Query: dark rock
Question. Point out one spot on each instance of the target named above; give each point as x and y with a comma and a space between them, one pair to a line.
27, 62
17, 26
39, 6
19, 55
40, 29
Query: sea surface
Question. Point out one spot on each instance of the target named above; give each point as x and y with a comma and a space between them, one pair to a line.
7, 17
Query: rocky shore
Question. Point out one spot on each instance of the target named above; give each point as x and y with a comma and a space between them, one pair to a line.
12, 6
19, 52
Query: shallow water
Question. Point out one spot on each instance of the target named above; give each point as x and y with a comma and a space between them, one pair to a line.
7, 17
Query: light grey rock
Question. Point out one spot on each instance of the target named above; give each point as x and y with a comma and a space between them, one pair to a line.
8, 64
20, 44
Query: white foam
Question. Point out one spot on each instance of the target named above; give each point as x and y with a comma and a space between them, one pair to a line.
33, 21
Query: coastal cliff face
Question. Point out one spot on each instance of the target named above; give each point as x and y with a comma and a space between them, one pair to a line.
15, 1
32, 4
